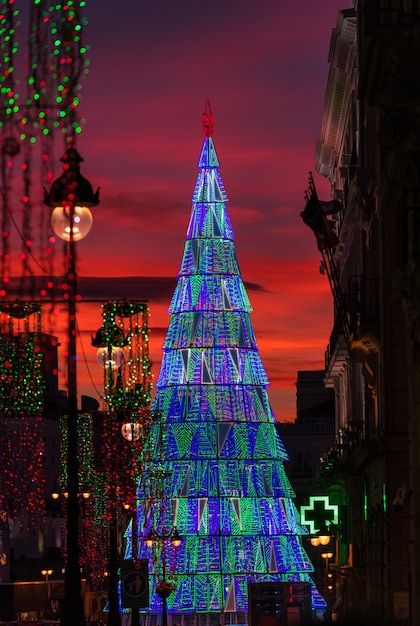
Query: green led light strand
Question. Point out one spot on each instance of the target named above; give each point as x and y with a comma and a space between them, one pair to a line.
123, 350
58, 63
85, 447
55, 63
69, 64
8, 50
22, 387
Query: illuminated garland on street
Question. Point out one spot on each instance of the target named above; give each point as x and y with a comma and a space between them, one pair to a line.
122, 344
8, 50
123, 352
92, 555
56, 62
22, 384
85, 447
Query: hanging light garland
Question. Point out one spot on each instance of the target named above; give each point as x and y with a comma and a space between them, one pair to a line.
8, 50
58, 64
122, 343
123, 352
22, 384
89, 492
56, 61
85, 447
127, 393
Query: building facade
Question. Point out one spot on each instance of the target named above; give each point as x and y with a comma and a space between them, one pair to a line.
369, 150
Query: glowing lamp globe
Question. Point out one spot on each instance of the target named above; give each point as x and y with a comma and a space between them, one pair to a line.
324, 540
110, 358
70, 198
131, 431
47, 572
61, 223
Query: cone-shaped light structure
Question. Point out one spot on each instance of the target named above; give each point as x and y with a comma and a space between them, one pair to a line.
214, 464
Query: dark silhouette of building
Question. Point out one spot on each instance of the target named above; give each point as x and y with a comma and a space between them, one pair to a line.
369, 151
311, 435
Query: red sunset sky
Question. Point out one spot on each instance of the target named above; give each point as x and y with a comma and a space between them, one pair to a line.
264, 67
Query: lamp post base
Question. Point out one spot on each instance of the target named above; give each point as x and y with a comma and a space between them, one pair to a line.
164, 590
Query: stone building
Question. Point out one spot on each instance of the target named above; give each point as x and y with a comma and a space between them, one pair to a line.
369, 150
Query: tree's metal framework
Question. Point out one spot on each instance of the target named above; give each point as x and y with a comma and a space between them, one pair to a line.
214, 447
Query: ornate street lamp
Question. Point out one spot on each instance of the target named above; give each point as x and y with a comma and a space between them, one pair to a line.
327, 556
322, 539
47, 573
164, 588
71, 197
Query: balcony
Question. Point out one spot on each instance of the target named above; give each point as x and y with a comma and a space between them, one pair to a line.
361, 301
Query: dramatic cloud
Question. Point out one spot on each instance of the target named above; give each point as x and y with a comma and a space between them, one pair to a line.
264, 67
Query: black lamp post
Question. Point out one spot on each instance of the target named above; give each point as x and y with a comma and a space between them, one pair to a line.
163, 588
132, 432
114, 617
71, 197
47, 573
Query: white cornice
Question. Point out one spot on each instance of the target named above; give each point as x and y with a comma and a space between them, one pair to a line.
342, 59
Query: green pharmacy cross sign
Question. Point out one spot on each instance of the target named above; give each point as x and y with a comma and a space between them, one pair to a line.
318, 514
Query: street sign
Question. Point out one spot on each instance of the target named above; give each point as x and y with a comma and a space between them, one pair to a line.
135, 584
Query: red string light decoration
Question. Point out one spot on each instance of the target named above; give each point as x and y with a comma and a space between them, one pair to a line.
123, 352
122, 345
22, 381
91, 492
55, 61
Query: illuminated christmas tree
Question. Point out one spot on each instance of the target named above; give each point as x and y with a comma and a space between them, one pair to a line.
214, 462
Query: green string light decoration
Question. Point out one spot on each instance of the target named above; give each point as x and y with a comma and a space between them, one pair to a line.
122, 343
56, 43
92, 490
8, 50
22, 384
56, 62
85, 447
